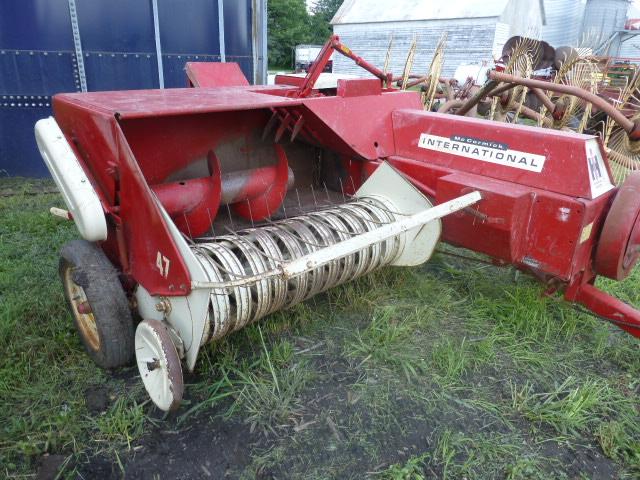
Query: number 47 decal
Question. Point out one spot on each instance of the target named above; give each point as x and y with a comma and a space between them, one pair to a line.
163, 263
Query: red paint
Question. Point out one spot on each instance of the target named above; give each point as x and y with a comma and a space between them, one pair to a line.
215, 74
272, 194
193, 204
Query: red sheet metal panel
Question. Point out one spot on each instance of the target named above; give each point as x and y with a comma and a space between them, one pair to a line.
552, 160
364, 123
215, 74
176, 101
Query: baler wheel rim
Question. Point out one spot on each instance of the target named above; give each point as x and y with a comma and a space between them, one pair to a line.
86, 322
159, 364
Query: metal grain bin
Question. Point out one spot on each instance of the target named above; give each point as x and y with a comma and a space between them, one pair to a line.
563, 22
602, 20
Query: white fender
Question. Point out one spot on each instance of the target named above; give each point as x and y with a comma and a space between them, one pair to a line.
76, 189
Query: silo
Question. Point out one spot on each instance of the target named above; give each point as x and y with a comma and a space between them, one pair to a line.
563, 22
602, 19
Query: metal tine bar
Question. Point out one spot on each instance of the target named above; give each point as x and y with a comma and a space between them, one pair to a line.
322, 220
284, 209
188, 240
230, 219
211, 222
266, 204
188, 227
385, 209
265, 186
299, 204
358, 215
293, 232
344, 199
313, 193
250, 243
326, 190
217, 264
250, 213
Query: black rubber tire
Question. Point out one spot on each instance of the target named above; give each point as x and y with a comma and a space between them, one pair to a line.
93, 271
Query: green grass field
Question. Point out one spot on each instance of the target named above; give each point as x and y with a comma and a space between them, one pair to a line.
454, 369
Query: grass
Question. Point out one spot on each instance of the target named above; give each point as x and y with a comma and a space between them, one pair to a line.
44, 374
448, 370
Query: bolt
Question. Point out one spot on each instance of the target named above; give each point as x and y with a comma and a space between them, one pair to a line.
84, 308
164, 305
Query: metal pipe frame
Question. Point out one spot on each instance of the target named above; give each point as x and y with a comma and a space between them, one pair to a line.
628, 125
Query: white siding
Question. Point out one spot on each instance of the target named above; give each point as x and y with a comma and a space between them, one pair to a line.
468, 41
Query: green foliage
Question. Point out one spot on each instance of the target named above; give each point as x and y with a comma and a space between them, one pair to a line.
323, 11
44, 371
289, 24
412, 470
123, 422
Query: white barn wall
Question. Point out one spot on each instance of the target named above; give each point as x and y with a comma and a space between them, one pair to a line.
468, 41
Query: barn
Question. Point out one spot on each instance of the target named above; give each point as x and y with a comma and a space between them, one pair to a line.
476, 30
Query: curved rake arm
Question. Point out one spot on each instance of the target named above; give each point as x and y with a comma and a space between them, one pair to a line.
627, 125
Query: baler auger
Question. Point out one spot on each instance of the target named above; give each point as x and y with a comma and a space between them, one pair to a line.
205, 209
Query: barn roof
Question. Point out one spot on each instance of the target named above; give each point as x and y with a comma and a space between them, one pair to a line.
366, 11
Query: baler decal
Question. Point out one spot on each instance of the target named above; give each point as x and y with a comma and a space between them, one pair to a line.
491, 152
598, 175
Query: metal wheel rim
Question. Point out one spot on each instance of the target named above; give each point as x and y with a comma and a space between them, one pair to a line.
86, 321
159, 365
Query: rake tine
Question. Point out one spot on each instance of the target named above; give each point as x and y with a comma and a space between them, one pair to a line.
230, 219
211, 222
344, 200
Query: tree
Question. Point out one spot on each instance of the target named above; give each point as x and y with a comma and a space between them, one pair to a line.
327, 8
288, 25
323, 11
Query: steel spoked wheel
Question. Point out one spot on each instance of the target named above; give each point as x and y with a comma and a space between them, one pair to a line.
159, 364
81, 309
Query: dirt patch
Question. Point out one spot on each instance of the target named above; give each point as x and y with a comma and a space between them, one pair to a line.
203, 449
49, 466
344, 430
97, 399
